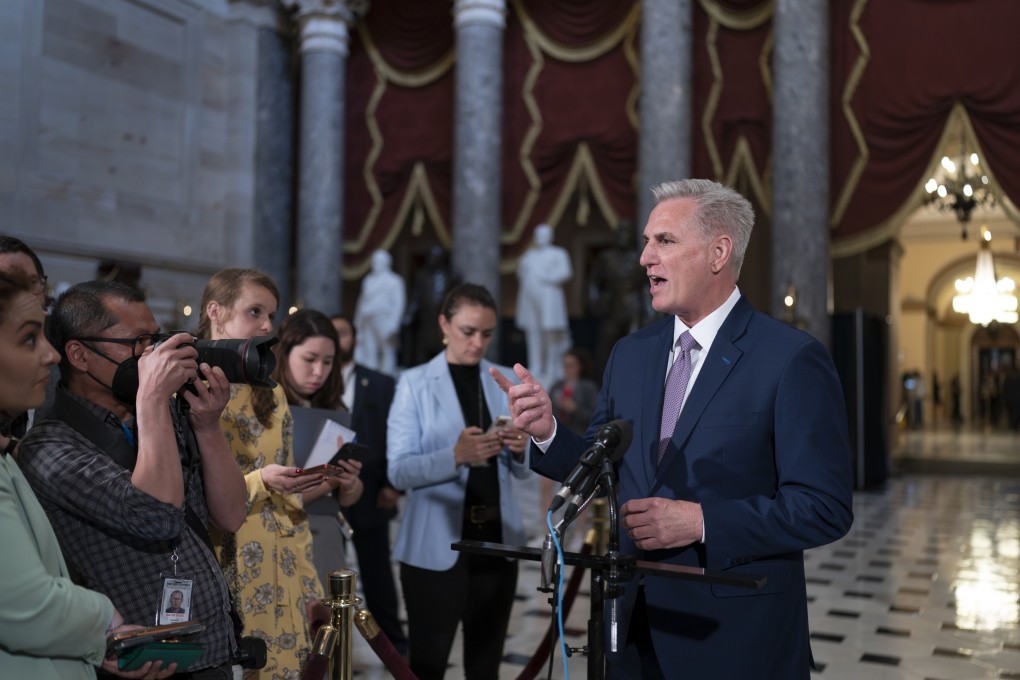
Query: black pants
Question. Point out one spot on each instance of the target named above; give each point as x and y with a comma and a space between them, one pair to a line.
478, 591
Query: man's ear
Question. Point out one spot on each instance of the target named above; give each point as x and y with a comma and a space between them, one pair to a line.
722, 252
77, 355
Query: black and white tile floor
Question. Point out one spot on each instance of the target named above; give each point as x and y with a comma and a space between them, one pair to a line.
926, 586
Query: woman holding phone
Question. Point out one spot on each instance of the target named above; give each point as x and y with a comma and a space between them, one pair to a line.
458, 471
307, 369
268, 562
49, 627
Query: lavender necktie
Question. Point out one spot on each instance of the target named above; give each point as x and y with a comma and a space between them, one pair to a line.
676, 386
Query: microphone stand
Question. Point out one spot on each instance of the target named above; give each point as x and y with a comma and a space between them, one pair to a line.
608, 572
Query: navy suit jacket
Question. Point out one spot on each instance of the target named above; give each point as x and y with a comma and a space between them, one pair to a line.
373, 394
762, 445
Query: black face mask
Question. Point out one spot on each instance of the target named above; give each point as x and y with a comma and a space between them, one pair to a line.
125, 378
125, 381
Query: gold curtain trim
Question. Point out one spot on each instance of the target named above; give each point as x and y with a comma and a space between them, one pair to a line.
569, 53
528, 144
890, 228
385, 73
765, 63
712, 104
856, 73
420, 78
367, 170
743, 157
634, 98
740, 21
582, 169
417, 194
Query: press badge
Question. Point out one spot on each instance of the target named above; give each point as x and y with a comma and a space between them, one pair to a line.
175, 600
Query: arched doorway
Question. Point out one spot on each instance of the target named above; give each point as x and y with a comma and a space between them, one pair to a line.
993, 351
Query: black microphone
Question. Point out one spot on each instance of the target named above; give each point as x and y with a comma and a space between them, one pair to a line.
612, 441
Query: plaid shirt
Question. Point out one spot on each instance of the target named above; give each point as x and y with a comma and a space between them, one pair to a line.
119, 539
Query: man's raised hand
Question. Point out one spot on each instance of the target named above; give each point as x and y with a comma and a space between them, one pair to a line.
530, 406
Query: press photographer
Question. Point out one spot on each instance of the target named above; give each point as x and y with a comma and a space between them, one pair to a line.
129, 497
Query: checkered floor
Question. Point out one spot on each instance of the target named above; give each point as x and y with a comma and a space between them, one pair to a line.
924, 587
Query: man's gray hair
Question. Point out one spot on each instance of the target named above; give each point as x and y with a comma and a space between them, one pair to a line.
720, 210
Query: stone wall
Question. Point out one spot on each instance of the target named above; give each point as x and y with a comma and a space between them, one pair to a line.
128, 132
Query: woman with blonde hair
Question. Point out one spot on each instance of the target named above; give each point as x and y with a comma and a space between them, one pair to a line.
268, 562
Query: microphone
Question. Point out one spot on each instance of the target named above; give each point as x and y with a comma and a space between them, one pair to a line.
612, 440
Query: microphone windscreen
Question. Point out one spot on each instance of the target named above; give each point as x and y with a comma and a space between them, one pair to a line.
623, 433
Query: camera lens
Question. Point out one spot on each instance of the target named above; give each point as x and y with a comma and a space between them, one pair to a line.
247, 361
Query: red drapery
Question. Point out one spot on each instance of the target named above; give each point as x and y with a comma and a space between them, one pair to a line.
569, 119
897, 69
901, 65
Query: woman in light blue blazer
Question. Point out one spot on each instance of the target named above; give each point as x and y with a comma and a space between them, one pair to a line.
457, 469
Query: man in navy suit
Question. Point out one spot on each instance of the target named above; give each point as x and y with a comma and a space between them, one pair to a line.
368, 394
754, 470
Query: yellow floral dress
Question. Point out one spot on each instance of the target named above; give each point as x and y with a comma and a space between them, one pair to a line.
268, 562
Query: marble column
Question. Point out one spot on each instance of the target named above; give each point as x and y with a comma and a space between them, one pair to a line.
274, 140
324, 48
800, 163
664, 150
477, 154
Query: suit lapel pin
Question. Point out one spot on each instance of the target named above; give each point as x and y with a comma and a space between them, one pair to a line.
726, 360
364, 382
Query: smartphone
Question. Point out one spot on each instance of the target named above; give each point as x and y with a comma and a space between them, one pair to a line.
353, 451
119, 642
500, 423
326, 469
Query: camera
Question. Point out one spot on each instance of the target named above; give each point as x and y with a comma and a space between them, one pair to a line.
249, 361
251, 653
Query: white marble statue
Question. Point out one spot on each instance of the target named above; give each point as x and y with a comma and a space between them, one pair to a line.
377, 315
542, 305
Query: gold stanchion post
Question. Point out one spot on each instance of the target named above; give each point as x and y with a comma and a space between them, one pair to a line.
335, 639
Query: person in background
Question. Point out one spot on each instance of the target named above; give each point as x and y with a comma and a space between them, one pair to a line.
573, 400
740, 459
268, 561
17, 258
458, 474
49, 627
307, 369
369, 394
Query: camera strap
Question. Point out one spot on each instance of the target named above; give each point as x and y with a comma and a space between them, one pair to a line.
116, 446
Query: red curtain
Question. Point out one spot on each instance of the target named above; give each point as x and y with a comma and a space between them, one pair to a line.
394, 126
399, 112
918, 58
732, 123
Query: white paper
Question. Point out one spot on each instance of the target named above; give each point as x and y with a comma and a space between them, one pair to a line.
325, 446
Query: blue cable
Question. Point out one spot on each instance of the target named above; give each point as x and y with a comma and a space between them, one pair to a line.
559, 592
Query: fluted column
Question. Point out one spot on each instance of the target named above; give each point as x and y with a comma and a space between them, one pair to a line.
323, 47
274, 139
477, 154
664, 151
800, 162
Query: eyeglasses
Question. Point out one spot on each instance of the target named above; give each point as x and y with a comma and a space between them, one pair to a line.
138, 344
37, 284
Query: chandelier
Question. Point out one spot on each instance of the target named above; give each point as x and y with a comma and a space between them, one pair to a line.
983, 298
960, 187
